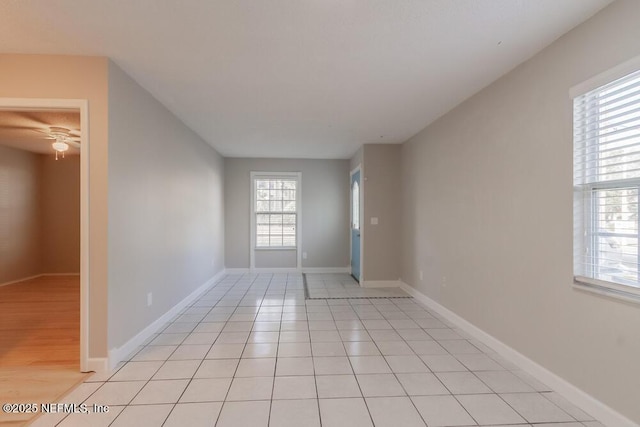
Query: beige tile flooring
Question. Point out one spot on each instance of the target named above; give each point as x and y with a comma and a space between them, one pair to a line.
253, 352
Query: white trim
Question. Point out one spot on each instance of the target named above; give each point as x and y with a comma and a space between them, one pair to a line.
326, 270
310, 270
237, 270
252, 215
380, 283
605, 77
116, 355
606, 289
578, 397
274, 270
99, 365
83, 106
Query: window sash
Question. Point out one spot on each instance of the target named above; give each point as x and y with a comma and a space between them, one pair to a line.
275, 210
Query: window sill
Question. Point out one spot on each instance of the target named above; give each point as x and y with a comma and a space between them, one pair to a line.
607, 289
279, 248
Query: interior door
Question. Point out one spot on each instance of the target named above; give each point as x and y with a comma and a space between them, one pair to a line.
355, 225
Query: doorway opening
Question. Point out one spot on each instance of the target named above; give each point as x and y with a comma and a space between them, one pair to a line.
43, 247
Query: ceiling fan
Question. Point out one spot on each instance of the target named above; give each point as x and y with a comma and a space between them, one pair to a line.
62, 136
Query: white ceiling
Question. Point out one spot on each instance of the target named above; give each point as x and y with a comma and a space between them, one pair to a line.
299, 78
28, 130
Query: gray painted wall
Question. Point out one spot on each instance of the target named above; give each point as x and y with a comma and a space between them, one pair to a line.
487, 215
381, 199
166, 209
325, 210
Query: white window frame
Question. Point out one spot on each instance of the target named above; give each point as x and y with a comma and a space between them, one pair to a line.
255, 175
582, 197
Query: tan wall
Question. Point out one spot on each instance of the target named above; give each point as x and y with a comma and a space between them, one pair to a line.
325, 210
381, 199
166, 209
487, 215
20, 255
71, 77
60, 220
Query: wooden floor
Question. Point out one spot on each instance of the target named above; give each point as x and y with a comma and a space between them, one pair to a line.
39, 342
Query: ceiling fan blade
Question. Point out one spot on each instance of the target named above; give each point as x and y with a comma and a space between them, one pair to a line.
11, 127
33, 118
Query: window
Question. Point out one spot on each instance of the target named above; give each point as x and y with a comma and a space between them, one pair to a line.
355, 206
276, 212
606, 179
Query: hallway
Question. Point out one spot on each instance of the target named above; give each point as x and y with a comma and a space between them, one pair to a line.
252, 352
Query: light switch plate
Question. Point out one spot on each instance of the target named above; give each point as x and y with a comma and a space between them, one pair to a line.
374, 220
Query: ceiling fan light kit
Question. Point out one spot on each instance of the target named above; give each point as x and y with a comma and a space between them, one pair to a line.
62, 138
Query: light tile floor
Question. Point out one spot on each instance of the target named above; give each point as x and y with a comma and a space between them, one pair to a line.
253, 352
345, 286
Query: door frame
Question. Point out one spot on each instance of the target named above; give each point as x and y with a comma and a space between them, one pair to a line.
26, 104
361, 203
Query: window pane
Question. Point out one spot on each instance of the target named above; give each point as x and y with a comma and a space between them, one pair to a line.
275, 195
289, 206
275, 219
262, 240
616, 234
289, 241
262, 206
355, 205
275, 206
275, 241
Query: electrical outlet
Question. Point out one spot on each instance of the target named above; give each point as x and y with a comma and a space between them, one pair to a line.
304, 255
444, 281
421, 275
149, 299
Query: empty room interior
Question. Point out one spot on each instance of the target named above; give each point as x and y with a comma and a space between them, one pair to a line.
319, 213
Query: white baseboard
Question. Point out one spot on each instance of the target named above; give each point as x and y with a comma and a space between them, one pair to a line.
236, 270
310, 270
274, 270
99, 365
326, 270
262, 270
120, 353
578, 397
380, 283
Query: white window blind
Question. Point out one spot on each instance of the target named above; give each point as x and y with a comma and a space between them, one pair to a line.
606, 134
276, 212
